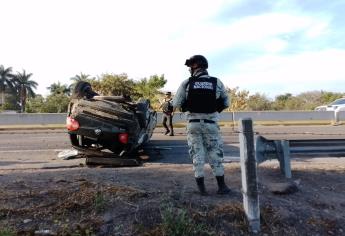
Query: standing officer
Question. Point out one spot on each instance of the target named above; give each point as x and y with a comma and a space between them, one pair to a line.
203, 97
168, 113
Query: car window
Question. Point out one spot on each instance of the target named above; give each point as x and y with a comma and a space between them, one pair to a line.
338, 102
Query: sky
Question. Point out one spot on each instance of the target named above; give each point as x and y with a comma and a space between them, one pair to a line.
269, 47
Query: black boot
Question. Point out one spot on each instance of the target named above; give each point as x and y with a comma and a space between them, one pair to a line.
222, 188
201, 186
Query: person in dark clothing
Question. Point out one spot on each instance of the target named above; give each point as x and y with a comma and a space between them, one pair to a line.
168, 114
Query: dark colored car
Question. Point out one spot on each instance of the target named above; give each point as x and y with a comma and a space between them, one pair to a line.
109, 126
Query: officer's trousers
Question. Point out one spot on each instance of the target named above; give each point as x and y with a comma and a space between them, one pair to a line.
205, 144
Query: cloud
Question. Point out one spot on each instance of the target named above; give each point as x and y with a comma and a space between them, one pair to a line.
294, 73
244, 42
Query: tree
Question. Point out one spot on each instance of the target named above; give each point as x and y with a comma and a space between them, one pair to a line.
56, 103
24, 87
58, 88
311, 99
81, 77
149, 88
35, 105
327, 97
295, 103
114, 85
259, 102
280, 101
238, 99
5, 81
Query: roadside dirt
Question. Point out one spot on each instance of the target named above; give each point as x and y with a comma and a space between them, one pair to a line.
161, 199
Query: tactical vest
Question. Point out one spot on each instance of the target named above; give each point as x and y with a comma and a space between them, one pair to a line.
201, 96
167, 107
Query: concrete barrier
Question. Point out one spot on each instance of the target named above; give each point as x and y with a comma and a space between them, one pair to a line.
60, 118
32, 118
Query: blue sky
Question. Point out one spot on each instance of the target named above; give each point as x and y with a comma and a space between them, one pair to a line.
266, 46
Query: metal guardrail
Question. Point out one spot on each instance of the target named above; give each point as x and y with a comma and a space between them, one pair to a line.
265, 149
283, 149
329, 147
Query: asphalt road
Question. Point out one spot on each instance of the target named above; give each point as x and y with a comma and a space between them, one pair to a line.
30, 149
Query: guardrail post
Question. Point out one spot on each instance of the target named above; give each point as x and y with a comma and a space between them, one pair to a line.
249, 176
284, 157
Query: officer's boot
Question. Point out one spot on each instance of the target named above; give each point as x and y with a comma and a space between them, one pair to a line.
201, 186
222, 188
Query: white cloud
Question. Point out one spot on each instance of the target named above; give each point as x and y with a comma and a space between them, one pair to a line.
275, 45
55, 40
295, 73
58, 39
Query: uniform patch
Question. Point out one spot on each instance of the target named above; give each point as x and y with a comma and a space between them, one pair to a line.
203, 85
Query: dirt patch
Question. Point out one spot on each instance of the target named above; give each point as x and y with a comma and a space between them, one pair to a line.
158, 199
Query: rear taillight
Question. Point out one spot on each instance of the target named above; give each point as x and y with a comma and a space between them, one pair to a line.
123, 138
72, 124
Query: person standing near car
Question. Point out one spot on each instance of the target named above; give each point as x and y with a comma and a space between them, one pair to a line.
168, 114
203, 97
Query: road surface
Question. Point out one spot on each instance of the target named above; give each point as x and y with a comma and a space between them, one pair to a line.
30, 149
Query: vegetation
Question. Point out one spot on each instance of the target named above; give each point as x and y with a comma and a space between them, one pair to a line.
177, 221
24, 87
17, 93
6, 232
58, 89
242, 101
5, 81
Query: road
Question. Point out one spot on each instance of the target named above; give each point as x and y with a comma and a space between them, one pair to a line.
31, 149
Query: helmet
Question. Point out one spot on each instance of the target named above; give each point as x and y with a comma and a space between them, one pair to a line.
168, 93
200, 60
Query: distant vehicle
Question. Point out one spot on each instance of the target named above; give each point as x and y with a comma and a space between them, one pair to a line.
337, 105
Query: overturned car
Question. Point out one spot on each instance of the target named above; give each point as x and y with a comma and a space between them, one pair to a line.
108, 126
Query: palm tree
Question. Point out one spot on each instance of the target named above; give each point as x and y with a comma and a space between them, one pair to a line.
81, 77
5, 81
58, 88
25, 87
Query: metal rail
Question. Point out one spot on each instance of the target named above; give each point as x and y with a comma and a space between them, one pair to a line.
282, 150
327, 147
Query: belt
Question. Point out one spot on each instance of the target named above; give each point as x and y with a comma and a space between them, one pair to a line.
199, 120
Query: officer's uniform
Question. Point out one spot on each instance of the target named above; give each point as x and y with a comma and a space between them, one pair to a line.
203, 136
167, 117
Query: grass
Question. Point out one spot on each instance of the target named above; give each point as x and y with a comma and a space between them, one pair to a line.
177, 221
6, 232
99, 201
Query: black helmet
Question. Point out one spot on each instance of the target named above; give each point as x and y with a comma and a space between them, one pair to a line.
200, 60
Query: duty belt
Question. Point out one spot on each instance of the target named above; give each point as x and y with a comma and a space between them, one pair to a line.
199, 120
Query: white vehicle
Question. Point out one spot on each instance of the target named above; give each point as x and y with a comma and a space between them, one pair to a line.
337, 105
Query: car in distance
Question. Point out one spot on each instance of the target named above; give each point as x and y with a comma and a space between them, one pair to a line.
336, 105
